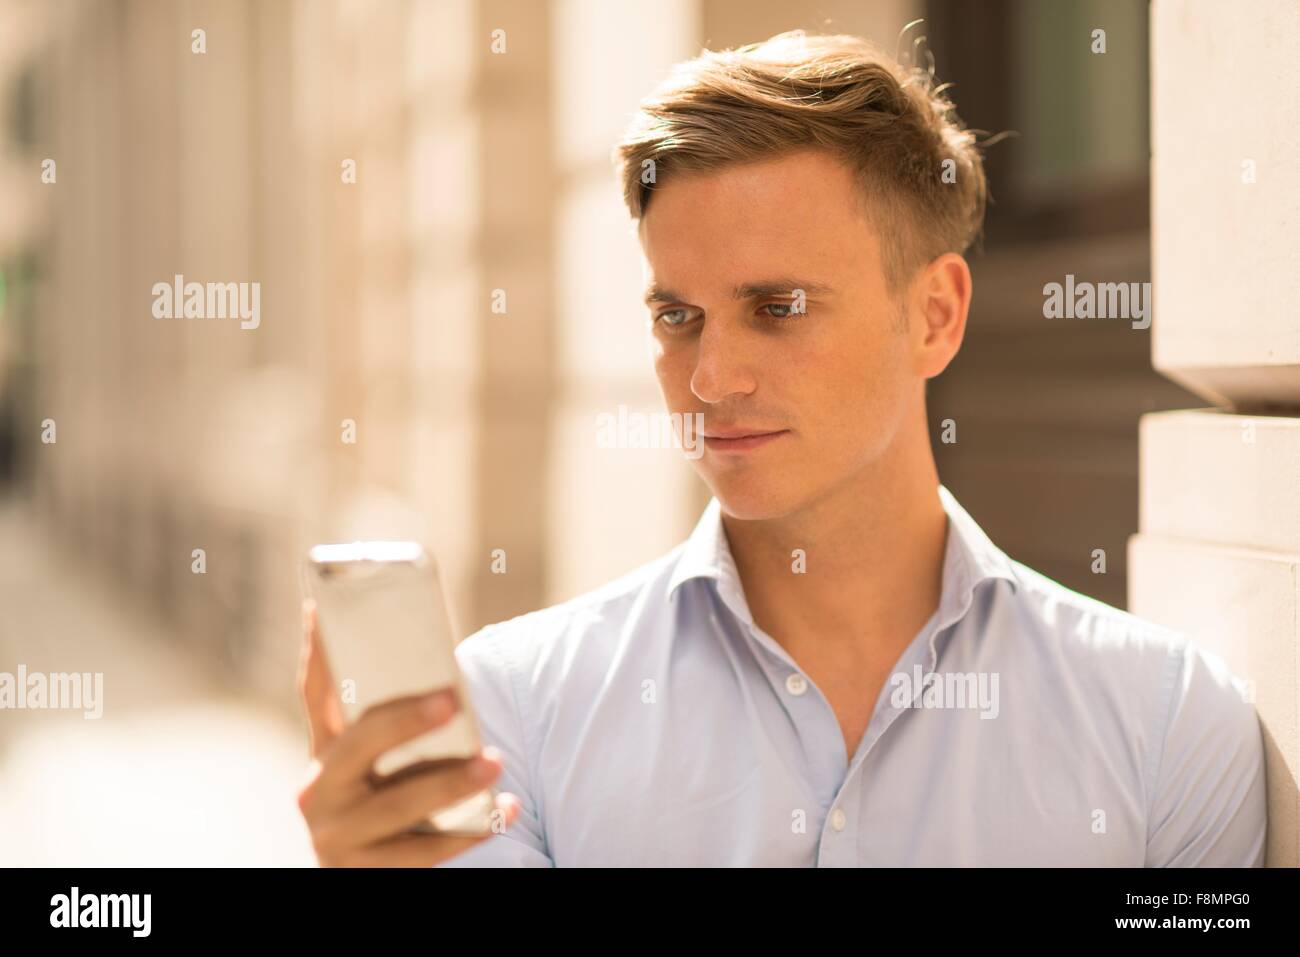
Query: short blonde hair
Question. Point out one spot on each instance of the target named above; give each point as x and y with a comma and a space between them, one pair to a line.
889, 123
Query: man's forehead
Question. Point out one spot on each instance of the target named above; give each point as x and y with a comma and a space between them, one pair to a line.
700, 238
743, 267
784, 228
808, 176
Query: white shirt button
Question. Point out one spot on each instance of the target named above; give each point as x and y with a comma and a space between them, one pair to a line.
796, 684
837, 819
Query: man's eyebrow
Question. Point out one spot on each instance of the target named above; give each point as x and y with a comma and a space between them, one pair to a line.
748, 290
779, 287
657, 293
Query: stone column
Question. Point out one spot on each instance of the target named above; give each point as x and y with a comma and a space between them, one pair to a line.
1218, 549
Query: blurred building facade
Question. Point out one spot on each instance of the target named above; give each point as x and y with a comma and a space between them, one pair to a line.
1045, 410
449, 295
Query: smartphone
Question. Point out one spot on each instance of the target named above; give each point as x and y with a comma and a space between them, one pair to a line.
387, 632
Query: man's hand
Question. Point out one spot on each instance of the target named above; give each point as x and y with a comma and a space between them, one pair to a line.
359, 818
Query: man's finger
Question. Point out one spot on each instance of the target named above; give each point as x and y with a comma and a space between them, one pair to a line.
382, 727
396, 807
316, 685
425, 850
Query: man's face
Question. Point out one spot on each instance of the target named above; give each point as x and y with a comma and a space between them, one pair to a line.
725, 253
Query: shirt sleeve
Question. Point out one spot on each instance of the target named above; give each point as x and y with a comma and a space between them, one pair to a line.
490, 679
1209, 803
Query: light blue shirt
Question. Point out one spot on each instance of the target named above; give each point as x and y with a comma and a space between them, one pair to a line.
652, 723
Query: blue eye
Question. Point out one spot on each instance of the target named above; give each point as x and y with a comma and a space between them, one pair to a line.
662, 317
789, 313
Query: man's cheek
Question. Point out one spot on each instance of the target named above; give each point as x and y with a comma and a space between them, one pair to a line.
674, 380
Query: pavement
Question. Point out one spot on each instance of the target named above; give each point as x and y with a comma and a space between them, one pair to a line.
177, 770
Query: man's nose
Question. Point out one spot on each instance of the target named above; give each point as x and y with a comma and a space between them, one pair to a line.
722, 362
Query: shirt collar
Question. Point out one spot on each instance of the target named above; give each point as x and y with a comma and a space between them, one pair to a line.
970, 558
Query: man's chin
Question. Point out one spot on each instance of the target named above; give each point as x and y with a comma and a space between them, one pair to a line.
753, 498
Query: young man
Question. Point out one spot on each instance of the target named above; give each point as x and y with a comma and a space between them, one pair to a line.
838, 668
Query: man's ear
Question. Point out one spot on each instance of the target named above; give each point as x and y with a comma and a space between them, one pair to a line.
941, 298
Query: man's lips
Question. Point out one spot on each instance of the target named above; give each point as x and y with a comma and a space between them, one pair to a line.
740, 440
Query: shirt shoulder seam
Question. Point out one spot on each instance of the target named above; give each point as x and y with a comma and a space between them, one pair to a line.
1174, 661
506, 661
621, 588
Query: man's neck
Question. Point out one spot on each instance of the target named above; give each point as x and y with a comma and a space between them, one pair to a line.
873, 552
